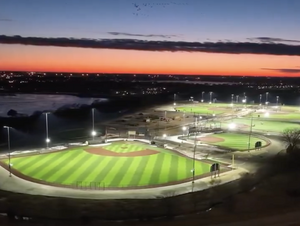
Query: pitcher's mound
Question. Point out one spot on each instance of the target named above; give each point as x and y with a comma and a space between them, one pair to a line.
104, 152
210, 139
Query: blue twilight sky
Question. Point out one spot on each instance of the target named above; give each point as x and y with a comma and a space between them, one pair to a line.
187, 20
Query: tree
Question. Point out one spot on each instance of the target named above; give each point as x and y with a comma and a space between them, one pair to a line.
291, 137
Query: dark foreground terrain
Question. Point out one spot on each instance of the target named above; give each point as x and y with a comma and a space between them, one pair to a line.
273, 191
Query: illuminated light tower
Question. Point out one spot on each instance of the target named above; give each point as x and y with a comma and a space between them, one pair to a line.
232, 97
267, 98
260, 97
184, 128
174, 99
202, 96
47, 130
237, 98
93, 133
210, 97
277, 100
8, 146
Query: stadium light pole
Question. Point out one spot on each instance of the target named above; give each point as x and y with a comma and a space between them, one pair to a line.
237, 99
232, 97
174, 99
202, 96
194, 157
260, 97
93, 124
267, 95
210, 97
47, 130
277, 100
8, 146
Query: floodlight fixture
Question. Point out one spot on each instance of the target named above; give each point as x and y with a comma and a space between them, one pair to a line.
232, 126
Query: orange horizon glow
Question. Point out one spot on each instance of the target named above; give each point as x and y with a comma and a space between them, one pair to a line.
79, 60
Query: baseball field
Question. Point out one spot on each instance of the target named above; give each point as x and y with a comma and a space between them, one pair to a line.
120, 164
261, 125
234, 141
205, 108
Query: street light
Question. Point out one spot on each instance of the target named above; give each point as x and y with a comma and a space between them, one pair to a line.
232, 126
210, 97
277, 100
184, 128
260, 97
267, 114
232, 96
8, 146
237, 99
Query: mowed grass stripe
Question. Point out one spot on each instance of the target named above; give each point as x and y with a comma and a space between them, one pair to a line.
118, 176
62, 175
157, 169
172, 174
89, 169
163, 176
100, 161
115, 174
39, 165
75, 176
181, 170
148, 170
140, 166
52, 167
189, 167
105, 170
130, 171
25, 162
99, 168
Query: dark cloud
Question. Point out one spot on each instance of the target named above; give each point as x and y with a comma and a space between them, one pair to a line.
272, 40
283, 70
142, 35
171, 46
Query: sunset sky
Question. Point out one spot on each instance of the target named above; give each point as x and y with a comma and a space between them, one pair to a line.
210, 37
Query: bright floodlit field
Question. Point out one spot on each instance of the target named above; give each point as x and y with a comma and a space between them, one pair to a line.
281, 115
233, 141
260, 124
116, 165
205, 108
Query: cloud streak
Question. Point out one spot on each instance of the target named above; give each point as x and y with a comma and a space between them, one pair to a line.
171, 46
284, 70
5, 20
141, 35
272, 40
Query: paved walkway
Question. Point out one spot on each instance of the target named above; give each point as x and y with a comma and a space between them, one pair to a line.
19, 185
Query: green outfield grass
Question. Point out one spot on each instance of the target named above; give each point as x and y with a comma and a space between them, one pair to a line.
260, 124
237, 141
76, 165
279, 115
218, 108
